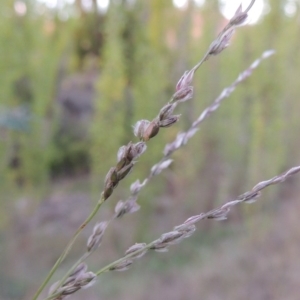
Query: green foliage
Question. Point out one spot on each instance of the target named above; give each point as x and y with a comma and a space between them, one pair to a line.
140, 51
30, 60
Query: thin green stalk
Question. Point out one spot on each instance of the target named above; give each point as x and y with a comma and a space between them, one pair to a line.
53, 296
204, 58
69, 247
79, 261
106, 268
249, 7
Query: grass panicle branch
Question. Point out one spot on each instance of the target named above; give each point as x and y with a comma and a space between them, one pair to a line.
177, 235
183, 137
187, 228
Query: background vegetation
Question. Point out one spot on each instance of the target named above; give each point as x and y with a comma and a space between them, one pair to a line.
74, 79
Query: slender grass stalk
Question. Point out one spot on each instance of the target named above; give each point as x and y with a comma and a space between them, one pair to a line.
78, 262
187, 228
124, 258
69, 247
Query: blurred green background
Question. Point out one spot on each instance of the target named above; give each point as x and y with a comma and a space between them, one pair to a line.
75, 77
